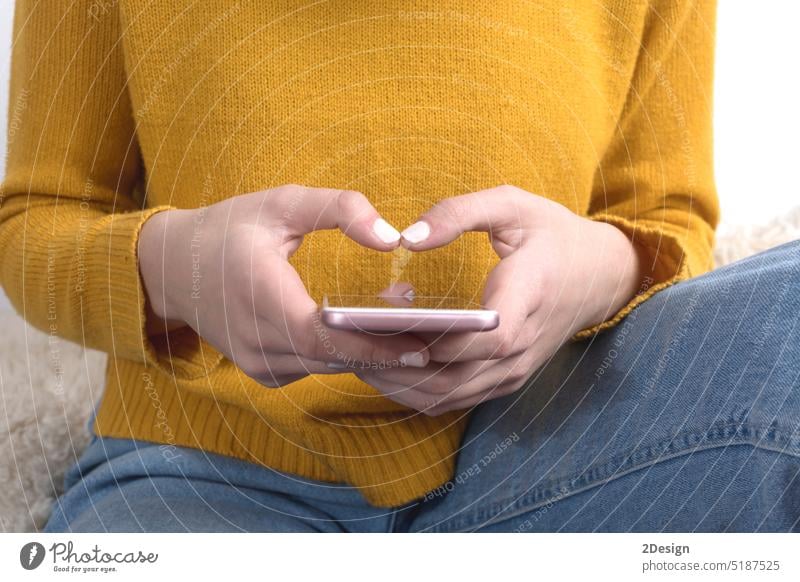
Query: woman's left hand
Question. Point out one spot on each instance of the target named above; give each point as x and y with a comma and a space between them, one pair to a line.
559, 273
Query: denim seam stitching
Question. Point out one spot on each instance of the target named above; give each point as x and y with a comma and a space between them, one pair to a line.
620, 465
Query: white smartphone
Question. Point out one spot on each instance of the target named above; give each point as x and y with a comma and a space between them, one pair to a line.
401, 314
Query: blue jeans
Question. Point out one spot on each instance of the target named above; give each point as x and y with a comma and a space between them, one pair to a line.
685, 417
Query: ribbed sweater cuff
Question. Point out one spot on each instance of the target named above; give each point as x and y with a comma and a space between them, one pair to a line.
117, 294
665, 252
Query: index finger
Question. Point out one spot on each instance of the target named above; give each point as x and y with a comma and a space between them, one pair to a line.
310, 209
492, 210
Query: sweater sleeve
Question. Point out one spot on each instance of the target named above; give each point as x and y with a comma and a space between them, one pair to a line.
69, 220
655, 181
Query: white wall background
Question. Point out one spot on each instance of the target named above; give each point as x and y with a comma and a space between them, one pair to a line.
757, 107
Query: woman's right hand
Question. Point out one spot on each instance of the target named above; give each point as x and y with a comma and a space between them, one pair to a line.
223, 270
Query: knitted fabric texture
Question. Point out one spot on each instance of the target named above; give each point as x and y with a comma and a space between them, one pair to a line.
129, 108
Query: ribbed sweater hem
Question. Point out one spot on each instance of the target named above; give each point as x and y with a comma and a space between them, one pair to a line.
391, 460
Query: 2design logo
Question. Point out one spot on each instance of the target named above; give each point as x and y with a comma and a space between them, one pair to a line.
31, 555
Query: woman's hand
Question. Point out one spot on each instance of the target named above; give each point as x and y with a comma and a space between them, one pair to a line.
559, 273
223, 270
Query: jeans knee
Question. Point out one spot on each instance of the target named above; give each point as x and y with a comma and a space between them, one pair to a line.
745, 294
774, 273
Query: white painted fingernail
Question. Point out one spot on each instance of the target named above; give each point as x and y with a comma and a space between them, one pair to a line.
413, 359
385, 231
417, 232
337, 366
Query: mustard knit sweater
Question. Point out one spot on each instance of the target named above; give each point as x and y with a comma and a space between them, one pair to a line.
122, 109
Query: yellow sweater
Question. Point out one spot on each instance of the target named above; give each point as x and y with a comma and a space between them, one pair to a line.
122, 109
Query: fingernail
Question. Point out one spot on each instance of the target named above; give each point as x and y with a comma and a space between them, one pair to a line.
413, 359
337, 366
385, 231
409, 295
417, 232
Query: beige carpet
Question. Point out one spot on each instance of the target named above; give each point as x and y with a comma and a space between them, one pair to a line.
48, 385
